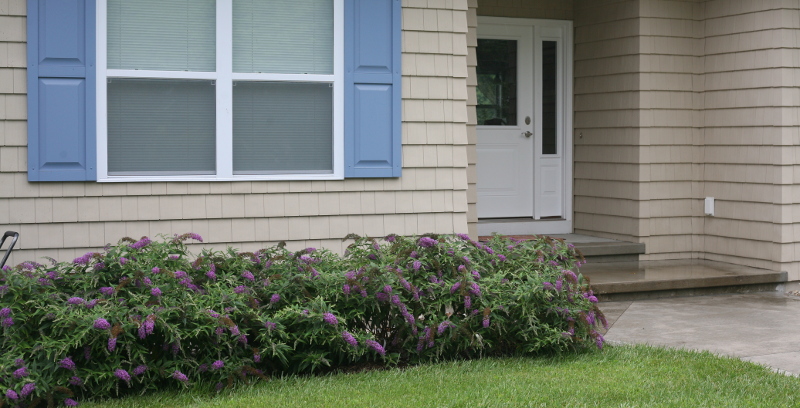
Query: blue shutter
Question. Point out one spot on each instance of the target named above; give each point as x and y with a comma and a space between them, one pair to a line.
372, 140
61, 90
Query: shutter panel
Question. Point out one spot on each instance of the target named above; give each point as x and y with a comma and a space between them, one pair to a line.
61, 90
372, 88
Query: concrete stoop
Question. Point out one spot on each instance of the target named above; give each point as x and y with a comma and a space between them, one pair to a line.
673, 278
615, 272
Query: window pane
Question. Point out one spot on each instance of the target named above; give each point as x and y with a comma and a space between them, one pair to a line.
549, 97
283, 36
497, 82
281, 127
161, 127
162, 35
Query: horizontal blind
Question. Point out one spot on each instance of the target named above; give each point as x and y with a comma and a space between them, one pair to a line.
158, 127
283, 36
162, 35
282, 127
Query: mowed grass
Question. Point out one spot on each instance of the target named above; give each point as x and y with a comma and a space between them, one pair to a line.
619, 376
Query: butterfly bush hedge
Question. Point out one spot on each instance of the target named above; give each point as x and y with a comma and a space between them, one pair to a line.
147, 314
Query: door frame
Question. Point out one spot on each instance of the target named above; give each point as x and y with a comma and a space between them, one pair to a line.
547, 30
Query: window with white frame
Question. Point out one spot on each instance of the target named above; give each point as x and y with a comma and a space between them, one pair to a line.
220, 90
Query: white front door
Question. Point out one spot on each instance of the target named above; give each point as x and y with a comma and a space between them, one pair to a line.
524, 116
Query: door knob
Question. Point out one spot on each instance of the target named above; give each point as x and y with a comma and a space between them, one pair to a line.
528, 134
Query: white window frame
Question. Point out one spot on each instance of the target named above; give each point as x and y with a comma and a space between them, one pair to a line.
224, 77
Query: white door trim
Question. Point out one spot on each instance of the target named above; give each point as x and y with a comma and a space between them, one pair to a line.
547, 30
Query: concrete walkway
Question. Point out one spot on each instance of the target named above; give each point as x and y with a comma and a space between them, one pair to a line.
761, 327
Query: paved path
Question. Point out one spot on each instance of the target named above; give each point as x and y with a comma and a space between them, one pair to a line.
760, 327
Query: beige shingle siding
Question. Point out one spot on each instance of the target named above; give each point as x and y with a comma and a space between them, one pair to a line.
471, 199
546, 9
679, 100
750, 104
608, 182
63, 220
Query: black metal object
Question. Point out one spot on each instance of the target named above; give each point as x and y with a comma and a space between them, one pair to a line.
13, 234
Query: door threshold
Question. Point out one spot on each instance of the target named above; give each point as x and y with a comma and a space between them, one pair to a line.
523, 226
519, 219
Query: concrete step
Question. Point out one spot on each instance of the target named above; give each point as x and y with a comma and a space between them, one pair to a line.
617, 251
596, 250
660, 279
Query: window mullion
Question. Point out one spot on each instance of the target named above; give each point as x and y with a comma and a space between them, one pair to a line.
224, 89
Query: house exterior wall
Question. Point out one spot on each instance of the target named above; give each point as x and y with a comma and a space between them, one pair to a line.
63, 220
671, 134
678, 100
608, 153
545, 9
751, 132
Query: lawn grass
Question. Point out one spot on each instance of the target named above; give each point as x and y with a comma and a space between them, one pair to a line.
619, 376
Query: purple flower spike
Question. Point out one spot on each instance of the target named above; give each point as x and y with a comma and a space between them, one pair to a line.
12, 395
123, 260
275, 298
248, 275
76, 381
217, 364
240, 289
67, 363
330, 318
139, 370
102, 324
92, 303
106, 290
376, 346
180, 376
155, 292
19, 362
122, 375
486, 322
21, 372
5, 312
387, 289
69, 402
349, 339
75, 301
444, 326
427, 242
270, 326
112, 343
140, 243
156, 270
467, 302
475, 289
7, 322
27, 389
346, 289
181, 274
456, 286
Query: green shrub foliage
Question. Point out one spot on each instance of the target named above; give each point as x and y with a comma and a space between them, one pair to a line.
146, 314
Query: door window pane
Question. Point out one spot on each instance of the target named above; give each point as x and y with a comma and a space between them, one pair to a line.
161, 127
549, 97
497, 82
282, 127
283, 36
162, 35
